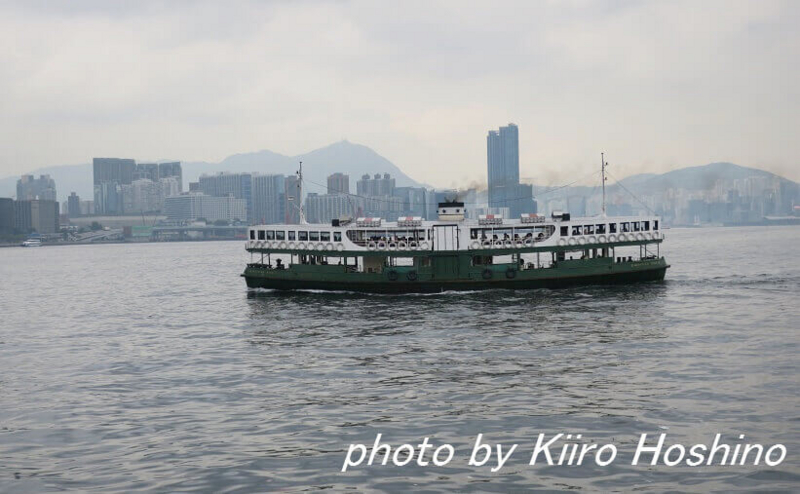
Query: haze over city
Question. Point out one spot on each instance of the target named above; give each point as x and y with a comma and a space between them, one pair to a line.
655, 85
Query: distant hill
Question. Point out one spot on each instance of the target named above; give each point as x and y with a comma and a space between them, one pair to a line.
356, 160
346, 157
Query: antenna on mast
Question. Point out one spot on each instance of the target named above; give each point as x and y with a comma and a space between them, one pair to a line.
300, 194
603, 178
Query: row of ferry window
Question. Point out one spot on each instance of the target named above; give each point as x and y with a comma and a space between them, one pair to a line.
302, 236
624, 227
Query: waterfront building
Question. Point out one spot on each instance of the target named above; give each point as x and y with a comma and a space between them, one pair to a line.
322, 208
36, 216
191, 206
30, 188
239, 185
268, 198
6, 215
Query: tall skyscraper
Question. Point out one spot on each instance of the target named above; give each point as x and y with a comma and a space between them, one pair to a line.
30, 188
377, 186
502, 150
73, 205
338, 183
110, 174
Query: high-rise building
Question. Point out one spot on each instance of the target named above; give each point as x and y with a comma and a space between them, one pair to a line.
192, 206
505, 190
30, 188
109, 175
73, 205
322, 208
268, 198
172, 169
238, 185
6, 215
338, 183
36, 216
119, 170
148, 171
376, 186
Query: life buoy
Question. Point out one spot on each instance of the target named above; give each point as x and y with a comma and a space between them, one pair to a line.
612, 238
572, 241
412, 276
339, 247
562, 241
381, 245
291, 245
413, 244
320, 247
268, 245
511, 273
487, 244
581, 241
528, 242
592, 239
282, 245
372, 246
601, 239
487, 274
648, 236
423, 245
498, 243
655, 235
329, 246
401, 245
392, 275
622, 237
540, 236
301, 245
508, 243
640, 236
475, 245
518, 243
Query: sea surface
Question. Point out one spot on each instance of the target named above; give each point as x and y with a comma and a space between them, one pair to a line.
151, 367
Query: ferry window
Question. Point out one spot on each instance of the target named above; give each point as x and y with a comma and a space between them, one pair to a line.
325, 236
600, 229
655, 224
280, 235
473, 234
576, 230
564, 231
313, 236
588, 229
626, 227
646, 226
270, 234
337, 236
302, 235
636, 226
291, 236
252, 234
261, 234
612, 228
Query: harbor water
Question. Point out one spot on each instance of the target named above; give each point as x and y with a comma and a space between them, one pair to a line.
129, 367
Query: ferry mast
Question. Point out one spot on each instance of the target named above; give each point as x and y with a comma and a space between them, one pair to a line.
603, 179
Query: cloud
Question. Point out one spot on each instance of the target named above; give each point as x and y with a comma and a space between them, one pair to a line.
654, 84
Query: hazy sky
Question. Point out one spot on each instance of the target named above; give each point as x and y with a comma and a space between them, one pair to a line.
656, 85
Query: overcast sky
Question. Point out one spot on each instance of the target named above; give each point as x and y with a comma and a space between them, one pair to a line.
656, 85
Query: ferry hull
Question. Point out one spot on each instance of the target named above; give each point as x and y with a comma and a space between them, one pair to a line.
522, 280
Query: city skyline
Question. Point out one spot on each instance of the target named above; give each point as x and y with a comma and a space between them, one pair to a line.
656, 85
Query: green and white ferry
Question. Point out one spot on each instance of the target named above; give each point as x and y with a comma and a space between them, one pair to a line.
412, 255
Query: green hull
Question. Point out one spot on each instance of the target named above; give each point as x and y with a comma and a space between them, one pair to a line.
454, 272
